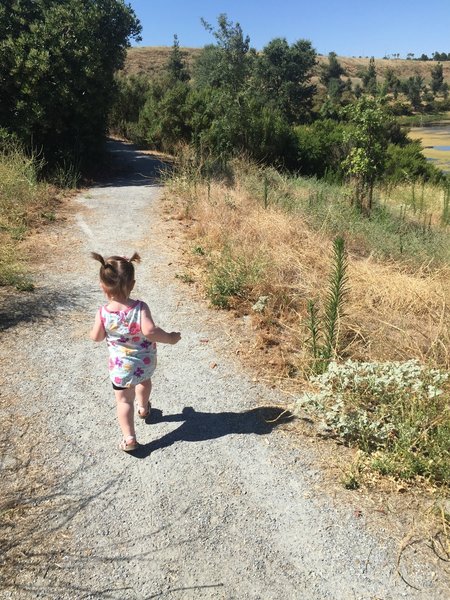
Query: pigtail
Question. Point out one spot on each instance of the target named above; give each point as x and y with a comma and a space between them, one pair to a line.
106, 264
135, 258
98, 257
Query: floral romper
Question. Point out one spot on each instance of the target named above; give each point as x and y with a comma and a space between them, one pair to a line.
132, 357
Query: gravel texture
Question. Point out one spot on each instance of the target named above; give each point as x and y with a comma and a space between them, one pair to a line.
218, 503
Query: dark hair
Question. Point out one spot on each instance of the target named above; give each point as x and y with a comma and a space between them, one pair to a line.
117, 273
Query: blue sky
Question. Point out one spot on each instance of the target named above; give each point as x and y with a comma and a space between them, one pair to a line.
347, 27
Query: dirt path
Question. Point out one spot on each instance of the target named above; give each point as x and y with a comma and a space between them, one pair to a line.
218, 504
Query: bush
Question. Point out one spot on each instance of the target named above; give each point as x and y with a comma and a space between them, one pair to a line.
397, 413
320, 147
129, 101
407, 163
163, 120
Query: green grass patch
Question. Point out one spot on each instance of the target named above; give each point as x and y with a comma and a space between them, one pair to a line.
232, 276
24, 203
423, 119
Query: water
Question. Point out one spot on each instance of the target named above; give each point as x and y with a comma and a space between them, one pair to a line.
435, 139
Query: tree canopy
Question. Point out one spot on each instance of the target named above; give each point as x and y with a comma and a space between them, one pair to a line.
284, 73
58, 58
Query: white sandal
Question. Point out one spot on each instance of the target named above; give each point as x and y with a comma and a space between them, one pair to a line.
144, 412
129, 443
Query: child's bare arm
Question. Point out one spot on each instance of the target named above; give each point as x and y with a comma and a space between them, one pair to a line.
155, 333
98, 332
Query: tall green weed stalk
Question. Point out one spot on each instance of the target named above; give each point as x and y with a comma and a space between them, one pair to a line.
324, 331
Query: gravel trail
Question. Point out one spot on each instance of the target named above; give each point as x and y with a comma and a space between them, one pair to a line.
218, 503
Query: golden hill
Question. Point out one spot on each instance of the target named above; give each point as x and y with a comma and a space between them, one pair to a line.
152, 59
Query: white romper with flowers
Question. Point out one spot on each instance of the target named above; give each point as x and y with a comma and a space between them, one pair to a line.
132, 357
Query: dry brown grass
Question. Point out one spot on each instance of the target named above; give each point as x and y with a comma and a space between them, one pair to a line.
394, 312
402, 68
31, 544
152, 60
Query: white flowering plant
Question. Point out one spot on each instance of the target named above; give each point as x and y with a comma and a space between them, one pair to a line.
398, 413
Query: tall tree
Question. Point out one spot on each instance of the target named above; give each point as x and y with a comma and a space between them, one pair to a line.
437, 78
330, 77
229, 59
284, 77
368, 142
57, 70
176, 65
414, 88
370, 78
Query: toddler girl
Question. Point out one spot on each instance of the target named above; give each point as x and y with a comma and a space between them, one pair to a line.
131, 336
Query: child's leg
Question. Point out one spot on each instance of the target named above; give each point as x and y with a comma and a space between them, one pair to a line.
125, 411
143, 391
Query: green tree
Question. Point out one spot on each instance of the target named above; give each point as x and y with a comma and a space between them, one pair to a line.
330, 77
164, 120
176, 65
283, 78
391, 83
332, 70
367, 141
413, 88
57, 71
370, 78
437, 78
207, 70
129, 99
229, 60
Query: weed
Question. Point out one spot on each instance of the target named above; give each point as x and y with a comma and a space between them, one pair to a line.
184, 277
351, 478
199, 251
231, 277
445, 216
328, 327
66, 175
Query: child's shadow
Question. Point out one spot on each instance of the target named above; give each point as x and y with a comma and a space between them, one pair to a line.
198, 426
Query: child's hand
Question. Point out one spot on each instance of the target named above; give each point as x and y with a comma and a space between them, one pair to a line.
175, 336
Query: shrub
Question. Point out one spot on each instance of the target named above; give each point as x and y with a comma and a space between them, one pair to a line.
397, 413
320, 147
407, 163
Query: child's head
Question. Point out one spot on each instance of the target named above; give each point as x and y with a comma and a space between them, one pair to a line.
117, 274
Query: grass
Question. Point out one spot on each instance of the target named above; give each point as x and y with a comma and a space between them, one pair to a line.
152, 60
263, 235
420, 120
24, 203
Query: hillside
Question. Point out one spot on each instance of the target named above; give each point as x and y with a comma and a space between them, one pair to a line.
151, 60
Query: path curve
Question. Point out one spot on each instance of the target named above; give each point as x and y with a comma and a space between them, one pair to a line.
218, 504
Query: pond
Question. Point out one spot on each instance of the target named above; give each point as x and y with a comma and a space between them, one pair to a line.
436, 142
